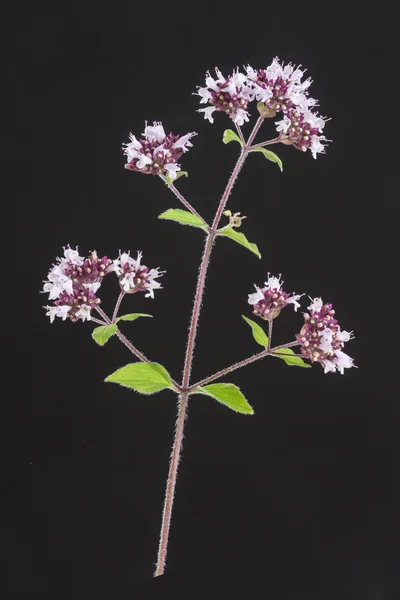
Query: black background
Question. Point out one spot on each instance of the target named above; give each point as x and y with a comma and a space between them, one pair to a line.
294, 502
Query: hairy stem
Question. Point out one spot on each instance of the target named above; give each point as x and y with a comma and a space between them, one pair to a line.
239, 130
118, 304
171, 482
270, 325
98, 321
183, 200
242, 363
176, 448
267, 143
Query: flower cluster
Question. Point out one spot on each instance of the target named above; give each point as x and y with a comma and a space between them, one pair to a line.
73, 282
134, 277
157, 153
230, 95
279, 89
321, 339
269, 301
302, 129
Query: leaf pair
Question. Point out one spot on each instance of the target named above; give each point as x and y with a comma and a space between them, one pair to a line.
286, 354
230, 136
184, 217
148, 378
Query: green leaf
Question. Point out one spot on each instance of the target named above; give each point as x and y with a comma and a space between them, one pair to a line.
270, 155
146, 378
103, 333
240, 238
182, 216
132, 317
290, 360
227, 394
258, 332
230, 136
168, 179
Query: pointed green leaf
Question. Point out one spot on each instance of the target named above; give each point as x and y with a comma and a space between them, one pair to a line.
103, 333
258, 332
228, 394
270, 155
132, 317
240, 238
146, 378
168, 179
230, 136
294, 360
182, 216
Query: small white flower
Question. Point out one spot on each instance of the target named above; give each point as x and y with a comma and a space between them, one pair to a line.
57, 283
343, 361
143, 161
256, 297
283, 124
127, 281
316, 146
205, 95
73, 257
84, 313
154, 133
345, 336
172, 169
329, 366
241, 116
92, 287
273, 283
152, 284
215, 84
208, 112
57, 311
183, 142
293, 300
325, 341
315, 305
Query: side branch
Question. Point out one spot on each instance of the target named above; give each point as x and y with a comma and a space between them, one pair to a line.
183, 200
243, 363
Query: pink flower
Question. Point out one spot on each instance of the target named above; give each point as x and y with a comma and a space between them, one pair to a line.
321, 339
157, 153
269, 301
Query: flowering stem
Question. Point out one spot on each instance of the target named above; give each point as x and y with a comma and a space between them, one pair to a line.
176, 448
118, 304
170, 489
183, 200
242, 363
239, 130
267, 143
270, 324
98, 321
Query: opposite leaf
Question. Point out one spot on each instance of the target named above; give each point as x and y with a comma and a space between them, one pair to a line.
146, 378
270, 155
182, 216
290, 360
132, 317
103, 333
168, 179
240, 238
230, 136
227, 394
258, 332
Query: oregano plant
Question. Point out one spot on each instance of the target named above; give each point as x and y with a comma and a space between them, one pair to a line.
74, 281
